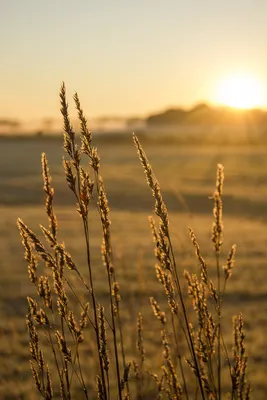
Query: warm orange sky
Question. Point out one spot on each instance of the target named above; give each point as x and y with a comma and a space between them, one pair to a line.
126, 57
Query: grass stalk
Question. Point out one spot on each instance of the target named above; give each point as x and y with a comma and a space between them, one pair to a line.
204, 347
219, 322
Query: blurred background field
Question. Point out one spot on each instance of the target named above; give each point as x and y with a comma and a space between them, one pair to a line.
186, 170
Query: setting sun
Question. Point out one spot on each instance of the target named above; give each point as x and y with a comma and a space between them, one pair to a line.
240, 91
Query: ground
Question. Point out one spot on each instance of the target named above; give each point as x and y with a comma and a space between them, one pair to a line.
187, 173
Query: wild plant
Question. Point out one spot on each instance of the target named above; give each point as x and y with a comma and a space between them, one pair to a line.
59, 318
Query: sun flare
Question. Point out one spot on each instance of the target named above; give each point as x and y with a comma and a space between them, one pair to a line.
240, 91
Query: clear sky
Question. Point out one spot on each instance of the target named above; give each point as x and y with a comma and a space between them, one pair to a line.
125, 57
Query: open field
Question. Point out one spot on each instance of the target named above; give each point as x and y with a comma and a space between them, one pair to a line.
187, 176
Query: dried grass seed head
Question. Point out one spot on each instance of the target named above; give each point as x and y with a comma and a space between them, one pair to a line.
49, 196
44, 291
103, 338
203, 265
69, 134
230, 263
217, 228
160, 207
157, 312
140, 338
63, 346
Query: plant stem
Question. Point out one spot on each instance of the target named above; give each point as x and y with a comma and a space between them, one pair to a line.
219, 321
179, 357
86, 233
177, 281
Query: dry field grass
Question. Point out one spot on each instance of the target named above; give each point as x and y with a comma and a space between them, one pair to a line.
187, 176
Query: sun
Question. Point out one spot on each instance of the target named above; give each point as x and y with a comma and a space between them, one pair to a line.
242, 91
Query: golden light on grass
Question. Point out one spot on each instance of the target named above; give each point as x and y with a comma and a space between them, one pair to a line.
56, 318
240, 90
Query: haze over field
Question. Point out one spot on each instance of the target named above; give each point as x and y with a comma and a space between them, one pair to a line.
130, 58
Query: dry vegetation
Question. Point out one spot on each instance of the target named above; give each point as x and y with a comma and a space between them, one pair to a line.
101, 321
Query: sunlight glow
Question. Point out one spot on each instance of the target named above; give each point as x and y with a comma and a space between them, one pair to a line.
240, 91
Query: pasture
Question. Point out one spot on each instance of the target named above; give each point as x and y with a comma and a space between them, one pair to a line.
187, 174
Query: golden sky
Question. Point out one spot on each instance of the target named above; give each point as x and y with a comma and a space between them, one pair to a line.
127, 57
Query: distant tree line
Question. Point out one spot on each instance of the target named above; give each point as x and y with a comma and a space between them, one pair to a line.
9, 124
202, 114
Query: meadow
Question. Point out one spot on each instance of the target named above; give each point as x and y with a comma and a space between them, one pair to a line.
186, 171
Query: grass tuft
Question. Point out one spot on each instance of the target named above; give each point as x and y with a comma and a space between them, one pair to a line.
66, 313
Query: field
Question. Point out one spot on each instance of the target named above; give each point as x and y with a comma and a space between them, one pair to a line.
187, 174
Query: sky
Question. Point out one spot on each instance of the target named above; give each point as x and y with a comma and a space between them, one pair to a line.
125, 57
